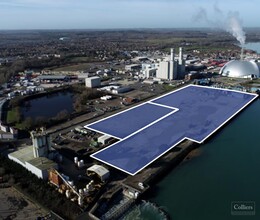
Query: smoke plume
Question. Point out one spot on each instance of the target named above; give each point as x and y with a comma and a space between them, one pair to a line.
231, 22
234, 27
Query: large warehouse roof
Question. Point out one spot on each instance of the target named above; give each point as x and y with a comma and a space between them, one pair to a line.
241, 69
52, 77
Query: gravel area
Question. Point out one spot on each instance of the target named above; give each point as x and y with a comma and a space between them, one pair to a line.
13, 205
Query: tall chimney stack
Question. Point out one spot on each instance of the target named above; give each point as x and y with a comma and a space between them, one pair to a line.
172, 54
180, 55
242, 53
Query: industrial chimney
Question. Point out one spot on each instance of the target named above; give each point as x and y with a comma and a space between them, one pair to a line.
172, 54
180, 56
242, 53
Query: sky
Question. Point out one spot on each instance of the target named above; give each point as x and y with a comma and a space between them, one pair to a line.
109, 14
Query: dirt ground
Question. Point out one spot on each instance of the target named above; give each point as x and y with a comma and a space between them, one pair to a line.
14, 205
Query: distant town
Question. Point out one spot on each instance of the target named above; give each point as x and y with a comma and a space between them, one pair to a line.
54, 83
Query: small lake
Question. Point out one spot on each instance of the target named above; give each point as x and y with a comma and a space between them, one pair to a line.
48, 106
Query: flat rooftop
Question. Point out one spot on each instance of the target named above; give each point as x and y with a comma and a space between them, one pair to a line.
24, 154
42, 163
149, 130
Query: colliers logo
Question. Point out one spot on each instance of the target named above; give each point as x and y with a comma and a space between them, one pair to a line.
243, 208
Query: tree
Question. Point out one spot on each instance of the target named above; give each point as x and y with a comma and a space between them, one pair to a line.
41, 121
2, 171
14, 116
28, 123
62, 115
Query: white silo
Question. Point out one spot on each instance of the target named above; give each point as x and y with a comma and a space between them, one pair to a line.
68, 193
80, 201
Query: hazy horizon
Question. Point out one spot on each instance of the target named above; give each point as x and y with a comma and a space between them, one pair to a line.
122, 29
122, 14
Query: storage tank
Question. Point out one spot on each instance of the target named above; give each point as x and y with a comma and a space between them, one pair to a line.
90, 187
80, 163
80, 201
241, 69
85, 190
71, 183
67, 193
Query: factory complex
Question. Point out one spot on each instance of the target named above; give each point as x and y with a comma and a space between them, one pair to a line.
133, 118
35, 158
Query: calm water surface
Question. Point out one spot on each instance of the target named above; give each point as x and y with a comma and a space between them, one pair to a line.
253, 46
228, 169
48, 106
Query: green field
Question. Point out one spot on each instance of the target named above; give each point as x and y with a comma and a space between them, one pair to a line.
76, 67
13, 115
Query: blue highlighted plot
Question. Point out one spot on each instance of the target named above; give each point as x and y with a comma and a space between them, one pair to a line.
128, 122
204, 109
201, 111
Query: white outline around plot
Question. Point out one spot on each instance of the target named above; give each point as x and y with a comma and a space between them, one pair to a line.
156, 121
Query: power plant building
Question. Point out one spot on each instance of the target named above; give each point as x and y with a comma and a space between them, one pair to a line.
172, 69
149, 70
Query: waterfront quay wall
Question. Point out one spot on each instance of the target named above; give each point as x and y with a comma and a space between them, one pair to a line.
154, 172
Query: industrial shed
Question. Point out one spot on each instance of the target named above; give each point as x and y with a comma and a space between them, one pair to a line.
100, 171
104, 139
38, 166
53, 78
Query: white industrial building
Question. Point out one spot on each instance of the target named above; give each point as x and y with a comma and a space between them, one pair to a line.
100, 171
106, 97
149, 70
41, 143
34, 158
39, 166
133, 67
115, 89
83, 76
93, 82
104, 139
171, 69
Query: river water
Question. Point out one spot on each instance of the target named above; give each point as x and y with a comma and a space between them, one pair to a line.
227, 170
253, 46
203, 188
